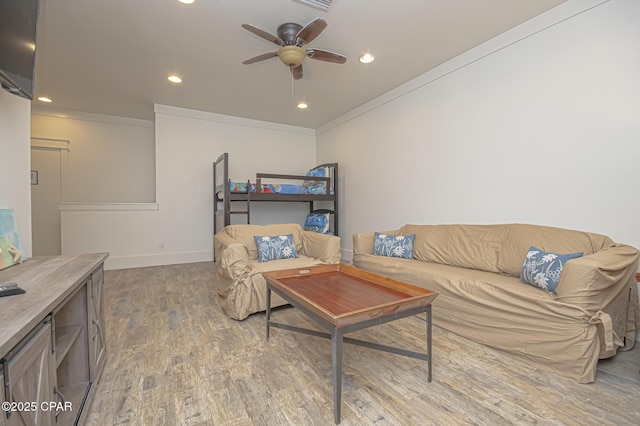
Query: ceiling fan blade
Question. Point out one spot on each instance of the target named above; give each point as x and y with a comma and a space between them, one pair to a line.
265, 35
326, 56
311, 31
259, 58
297, 72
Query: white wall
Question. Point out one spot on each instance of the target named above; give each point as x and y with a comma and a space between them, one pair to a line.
111, 159
187, 144
15, 183
539, 125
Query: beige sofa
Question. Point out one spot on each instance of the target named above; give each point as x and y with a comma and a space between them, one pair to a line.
240, 286
476, 270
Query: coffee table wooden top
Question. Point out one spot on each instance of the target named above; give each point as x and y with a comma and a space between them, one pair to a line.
343, 295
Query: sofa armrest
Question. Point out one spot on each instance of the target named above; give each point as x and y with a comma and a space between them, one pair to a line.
222, 240
321, 246
603, 284
234, 262
232, 257
593, 281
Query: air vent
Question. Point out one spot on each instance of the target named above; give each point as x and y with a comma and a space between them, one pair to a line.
317, 4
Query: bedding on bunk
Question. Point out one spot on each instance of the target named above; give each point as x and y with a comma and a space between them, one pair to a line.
279, 188
310, 186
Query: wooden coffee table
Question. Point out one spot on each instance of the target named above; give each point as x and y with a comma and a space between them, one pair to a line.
343, 299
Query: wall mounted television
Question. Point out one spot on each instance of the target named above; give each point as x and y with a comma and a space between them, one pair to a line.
18, 27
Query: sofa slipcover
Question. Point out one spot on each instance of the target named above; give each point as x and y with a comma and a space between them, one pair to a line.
240, 286
476, 269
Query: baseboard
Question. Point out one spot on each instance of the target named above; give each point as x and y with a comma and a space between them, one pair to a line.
141, 261
347, 256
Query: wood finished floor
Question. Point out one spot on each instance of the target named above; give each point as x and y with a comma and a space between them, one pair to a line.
174, 358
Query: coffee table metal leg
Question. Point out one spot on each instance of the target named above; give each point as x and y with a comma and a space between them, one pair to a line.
336, 360
268, 310
429, 340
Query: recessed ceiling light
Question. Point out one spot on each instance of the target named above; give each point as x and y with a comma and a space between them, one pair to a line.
174, 79
367, 58
187, 1
44, 99
303, 105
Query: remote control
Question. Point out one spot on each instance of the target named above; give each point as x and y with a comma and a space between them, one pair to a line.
9, 289
8, 286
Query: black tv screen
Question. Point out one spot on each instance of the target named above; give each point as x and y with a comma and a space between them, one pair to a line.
18, 26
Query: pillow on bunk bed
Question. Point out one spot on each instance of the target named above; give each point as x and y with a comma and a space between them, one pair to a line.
317, 222
316, 186
237, 186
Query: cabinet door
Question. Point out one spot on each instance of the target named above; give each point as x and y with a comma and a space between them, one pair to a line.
31, 377
97, 343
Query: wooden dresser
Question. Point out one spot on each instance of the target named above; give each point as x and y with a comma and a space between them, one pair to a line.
52, 339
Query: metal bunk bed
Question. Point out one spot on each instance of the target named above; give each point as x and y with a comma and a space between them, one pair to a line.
223, 196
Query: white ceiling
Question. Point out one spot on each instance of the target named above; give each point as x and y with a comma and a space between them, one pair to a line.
113, 56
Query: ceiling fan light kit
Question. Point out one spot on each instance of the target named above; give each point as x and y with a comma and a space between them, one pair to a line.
291, 37
291, 56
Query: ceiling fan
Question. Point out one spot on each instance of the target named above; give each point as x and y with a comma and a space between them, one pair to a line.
291, 37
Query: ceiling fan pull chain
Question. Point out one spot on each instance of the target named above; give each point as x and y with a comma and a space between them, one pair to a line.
291, 71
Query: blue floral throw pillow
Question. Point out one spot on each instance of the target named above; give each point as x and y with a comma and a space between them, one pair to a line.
276, 247
317, 222
542, 269
394, 246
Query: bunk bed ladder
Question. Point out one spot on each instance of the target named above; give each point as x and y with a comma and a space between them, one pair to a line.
247, 210
222, 217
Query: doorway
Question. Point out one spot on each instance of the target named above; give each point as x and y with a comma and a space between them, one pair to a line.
48, 176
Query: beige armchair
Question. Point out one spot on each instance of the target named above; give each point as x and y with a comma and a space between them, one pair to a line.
240, 286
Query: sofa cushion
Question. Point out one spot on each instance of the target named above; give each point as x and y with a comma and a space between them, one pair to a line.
542, 269
245, 233
465, 246
500, 311
301, 261
275, 247
394, 245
